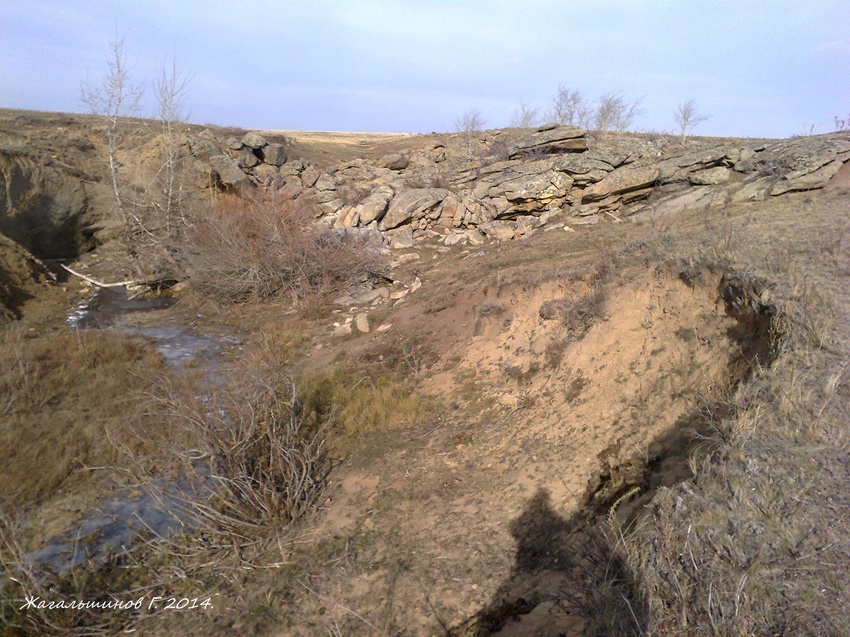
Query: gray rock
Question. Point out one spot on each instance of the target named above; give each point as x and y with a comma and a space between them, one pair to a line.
555, 140
801, 180
234, 144
400, 238
290, 187
411, 205
497, 230
710, 176
228, 171
274, 154
310, 176
373, 207
247, 158
396, 161
620, 181
203, 148
254, 140
265, 174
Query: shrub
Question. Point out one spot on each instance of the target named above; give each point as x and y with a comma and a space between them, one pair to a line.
240, 249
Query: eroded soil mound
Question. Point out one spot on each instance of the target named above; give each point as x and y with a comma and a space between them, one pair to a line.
569, 398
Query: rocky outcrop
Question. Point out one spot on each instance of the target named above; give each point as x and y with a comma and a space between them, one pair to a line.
242, 163
522, 181
549, 140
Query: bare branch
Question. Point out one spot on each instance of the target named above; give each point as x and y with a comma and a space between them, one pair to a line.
525, 116
688, 118
570, 107
614, 113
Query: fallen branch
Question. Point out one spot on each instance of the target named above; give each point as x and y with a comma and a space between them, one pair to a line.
100, 284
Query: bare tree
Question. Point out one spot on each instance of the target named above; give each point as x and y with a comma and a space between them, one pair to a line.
569, 107
525, 116
171, 88
468, 124
841, 124
688, 118
614, 113
114, 98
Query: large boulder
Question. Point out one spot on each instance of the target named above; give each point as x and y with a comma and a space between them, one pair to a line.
373, 207
621, 181
254, 140
228, 171
561, 139
411, 205
274, 154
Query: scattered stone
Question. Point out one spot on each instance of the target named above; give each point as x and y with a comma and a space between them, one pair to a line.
342, 329
384, 327
361, 322
406, 258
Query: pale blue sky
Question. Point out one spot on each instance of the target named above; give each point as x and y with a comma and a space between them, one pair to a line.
761, 68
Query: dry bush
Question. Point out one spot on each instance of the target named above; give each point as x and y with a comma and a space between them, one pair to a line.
240, 250
257, 462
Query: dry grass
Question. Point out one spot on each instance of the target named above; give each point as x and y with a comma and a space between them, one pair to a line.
756, 542
365, 400
62, 395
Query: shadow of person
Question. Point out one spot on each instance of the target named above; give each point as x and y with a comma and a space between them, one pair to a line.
562, 574
542, 537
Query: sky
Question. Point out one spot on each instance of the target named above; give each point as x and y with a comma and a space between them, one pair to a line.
760, 68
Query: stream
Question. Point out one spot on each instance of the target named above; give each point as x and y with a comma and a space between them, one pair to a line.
119, 520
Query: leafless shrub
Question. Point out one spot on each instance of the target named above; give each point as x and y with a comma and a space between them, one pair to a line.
841, 124
687, 117
614, 113
240, 249
570, 107
258, 465
525, 116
